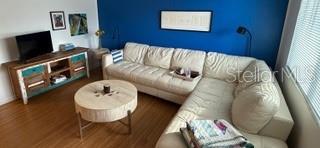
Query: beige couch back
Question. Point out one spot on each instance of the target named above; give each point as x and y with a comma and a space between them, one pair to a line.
158, 57
187, 58
225, 67
167, 58
135, 52
213, 65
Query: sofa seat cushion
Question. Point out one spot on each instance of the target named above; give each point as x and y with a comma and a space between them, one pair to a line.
159, 57
142, 74
199, 108
169, 83
151, 76
264, 141
123, 70
207, 101
216, 87
148, 75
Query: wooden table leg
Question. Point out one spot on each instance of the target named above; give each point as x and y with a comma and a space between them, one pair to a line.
80, 125
129, 121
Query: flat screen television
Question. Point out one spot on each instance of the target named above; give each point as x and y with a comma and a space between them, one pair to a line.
33, 45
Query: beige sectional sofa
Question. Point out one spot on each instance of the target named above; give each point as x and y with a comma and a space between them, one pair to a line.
255, 105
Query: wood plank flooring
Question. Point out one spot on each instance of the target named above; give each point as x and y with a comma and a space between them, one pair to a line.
49, 120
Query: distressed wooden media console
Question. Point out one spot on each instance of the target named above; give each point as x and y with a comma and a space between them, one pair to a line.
36, 76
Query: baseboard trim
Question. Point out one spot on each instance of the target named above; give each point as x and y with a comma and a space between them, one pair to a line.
6, 101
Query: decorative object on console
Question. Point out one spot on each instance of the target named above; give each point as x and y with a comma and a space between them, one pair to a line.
186, 20
117, 55
243, 30
78, 24
99, 33
57, 20
58, 79
106, 89
66, 47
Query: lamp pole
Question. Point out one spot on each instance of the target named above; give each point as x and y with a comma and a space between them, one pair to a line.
243, 30
250, 42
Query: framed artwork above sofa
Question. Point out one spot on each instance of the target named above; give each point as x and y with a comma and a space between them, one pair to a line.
186, 20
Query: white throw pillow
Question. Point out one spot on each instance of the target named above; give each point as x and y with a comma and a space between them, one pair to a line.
257, 71
255, 106
134, 52
159, 57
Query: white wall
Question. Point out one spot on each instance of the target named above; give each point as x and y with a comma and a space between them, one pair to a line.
27, 16
306, 132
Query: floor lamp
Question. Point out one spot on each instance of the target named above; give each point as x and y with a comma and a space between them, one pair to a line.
243, 31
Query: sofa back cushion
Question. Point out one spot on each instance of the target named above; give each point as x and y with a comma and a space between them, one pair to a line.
255, 106
257, 71
187, 58
134, 52
159, 57
225, 67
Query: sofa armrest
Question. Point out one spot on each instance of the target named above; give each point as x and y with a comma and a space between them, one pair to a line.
281, 124
106, 61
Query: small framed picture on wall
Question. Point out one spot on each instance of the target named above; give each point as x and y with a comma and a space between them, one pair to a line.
78, 24
57, 20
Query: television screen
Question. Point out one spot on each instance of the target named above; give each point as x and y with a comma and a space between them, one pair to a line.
33, 45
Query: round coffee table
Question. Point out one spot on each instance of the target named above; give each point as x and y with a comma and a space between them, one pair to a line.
95, 106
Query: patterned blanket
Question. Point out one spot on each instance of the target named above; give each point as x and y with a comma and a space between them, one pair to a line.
213, 134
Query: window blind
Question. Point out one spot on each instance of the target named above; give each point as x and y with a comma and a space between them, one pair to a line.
304, 56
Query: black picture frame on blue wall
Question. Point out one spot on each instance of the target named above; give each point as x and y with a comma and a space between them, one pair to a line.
209, 21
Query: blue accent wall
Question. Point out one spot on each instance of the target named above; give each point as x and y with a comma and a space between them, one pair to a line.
139, 21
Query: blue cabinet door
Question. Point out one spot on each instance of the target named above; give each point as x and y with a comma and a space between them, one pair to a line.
78, 58
32, 71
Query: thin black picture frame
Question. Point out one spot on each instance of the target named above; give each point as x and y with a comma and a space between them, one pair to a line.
210, 27
52, 22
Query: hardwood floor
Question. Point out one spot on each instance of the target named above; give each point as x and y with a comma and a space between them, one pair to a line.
49, 120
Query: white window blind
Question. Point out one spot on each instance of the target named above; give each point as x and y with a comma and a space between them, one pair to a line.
304, 56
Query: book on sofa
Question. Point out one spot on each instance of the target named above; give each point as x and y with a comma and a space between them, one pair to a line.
213, 133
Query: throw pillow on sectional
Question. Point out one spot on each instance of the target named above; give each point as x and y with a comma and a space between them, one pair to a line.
255, 106
257, 71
